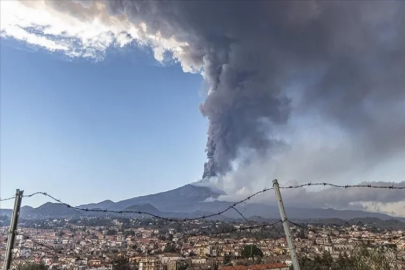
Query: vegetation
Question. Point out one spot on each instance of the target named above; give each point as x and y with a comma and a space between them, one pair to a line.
121, 263
251, 251
129, 233
111, 232
227, 259
170, 248
360, 259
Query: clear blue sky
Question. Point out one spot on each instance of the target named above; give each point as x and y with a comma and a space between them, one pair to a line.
85, 131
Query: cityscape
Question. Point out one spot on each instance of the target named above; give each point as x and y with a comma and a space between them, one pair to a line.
202, 134
149, 243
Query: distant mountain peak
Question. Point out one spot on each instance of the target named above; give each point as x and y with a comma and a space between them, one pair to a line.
144, 208
107, 201
192, 200
106, 204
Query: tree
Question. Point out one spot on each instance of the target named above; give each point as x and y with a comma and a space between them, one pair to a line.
227, 259
250, 251
129, 233
111, 232
360, 259
182, 265
169, 248
121, 263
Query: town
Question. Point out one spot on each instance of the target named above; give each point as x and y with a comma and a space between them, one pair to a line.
152, 243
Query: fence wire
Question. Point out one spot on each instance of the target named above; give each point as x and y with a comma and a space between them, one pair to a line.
222, 245
146, 241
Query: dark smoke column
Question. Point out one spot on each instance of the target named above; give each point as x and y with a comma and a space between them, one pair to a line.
209, 169
348, 71
209, 166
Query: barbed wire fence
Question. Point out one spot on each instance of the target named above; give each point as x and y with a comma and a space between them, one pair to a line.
240, 244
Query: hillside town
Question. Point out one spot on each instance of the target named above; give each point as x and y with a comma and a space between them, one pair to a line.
152, 244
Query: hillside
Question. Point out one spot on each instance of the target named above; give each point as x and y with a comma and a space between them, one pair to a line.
168, 200
190, 201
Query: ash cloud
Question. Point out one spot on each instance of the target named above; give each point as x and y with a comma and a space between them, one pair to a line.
348, 56
346, 61
389, 201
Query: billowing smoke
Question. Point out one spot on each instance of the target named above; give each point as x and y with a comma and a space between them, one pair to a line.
268, 63
349, 58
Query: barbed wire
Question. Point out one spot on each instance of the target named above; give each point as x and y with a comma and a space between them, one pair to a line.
342, 186
247, 235
266, 235
7, 199
232, 206
24, 196
148, 213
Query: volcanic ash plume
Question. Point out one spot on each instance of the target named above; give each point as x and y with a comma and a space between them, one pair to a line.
348, 59
345, 58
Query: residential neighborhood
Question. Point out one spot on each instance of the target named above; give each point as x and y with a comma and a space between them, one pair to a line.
152, 245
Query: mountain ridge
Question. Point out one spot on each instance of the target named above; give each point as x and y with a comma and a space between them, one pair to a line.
190, 201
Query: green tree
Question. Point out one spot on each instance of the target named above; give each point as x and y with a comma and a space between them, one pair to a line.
129, 233
250, 251
111, 232
182, 265
227, 259
362, 258
169, 248
121, 263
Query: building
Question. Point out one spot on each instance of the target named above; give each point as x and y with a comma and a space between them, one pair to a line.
150, 263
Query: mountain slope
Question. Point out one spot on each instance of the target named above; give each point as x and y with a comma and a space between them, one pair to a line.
52, 210
168, 200
101, 205
191, 201
147, 208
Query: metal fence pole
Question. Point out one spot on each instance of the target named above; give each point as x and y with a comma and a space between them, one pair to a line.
13, 229
286, 226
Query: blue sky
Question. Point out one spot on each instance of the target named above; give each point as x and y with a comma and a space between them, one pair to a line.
86, 131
